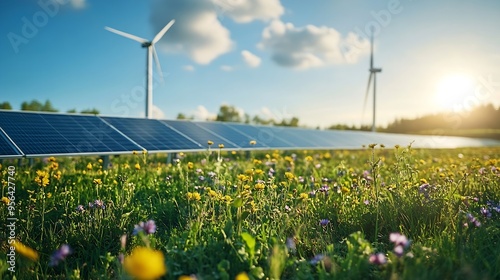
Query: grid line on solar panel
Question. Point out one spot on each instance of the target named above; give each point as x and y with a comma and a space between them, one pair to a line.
48, 133
153, 135
7, 147
263, 135
198, 134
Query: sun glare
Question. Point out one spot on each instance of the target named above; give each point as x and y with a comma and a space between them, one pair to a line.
453, 90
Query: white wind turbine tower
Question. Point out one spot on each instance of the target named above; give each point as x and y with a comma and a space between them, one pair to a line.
149, 66
373, 74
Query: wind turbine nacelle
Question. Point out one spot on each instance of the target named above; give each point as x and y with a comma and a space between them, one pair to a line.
146, 44
376, 70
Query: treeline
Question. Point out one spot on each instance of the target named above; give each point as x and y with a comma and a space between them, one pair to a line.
229, 113
37, 106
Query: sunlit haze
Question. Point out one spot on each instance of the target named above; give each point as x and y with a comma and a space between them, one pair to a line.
272, 58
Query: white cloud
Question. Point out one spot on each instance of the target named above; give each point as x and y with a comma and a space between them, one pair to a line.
158, 113
226, 68
244, 11
310, 46
197, 31
250, 59
189, 68
203, 114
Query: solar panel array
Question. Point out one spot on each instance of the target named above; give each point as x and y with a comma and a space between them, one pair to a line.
35, 134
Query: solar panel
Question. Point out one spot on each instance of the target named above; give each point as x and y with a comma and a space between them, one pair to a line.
52, 134
153, 135
263, 135
7, 148
198, 134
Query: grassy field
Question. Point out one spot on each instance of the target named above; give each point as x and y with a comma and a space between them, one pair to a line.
376, 213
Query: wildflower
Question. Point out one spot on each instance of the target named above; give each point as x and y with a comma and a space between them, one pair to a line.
57, 175
134, 152
137, 166
211, 174
42, 178
25, 251
49, 195
97, 204
97, 181
366, 202
400, 242
190, 165
473, 220
210, 143
54, 166
145, 263
5, 200
485, 212
258, 171
242, 276
304, 196
253, 142
318, 165
309, 158
289, 175
290, 244
148, 227
259, 186
193, 196
89, 166
317, 258
51, 159
144, 152
221, 146
371, 146
60, 255
187, 277
324, 222
345, 190
377, 259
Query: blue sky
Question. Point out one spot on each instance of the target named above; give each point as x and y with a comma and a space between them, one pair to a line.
272, 58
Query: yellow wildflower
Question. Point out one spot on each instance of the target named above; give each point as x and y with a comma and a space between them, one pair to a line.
309, 158
137, 166
289, 175
97, 181
243, 177
144, 152
258, 171
371, 146
257, 161
42, 178
187, 277
145, 263
5, 200
253, 142
25, 251
48, 195
221, 146
134, 152
54, 166
89, 166
57, 175
210, 143
304, 196
242, 276
212, 193
190, 165
259, 186
345, 190
51, 159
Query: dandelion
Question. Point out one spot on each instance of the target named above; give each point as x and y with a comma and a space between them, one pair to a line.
89, 166
324, 222
190, 165
148, 227
378, 259
345, 190
97, 181
145, 263
289, 175
60, 255
137, 166
42, 178
57, 175
303, 196
25, 251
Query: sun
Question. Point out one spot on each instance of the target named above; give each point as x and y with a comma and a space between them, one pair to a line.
453, 91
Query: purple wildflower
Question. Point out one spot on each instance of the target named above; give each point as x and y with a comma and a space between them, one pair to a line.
473, 220
324, 222
211, 174
485, 212
98, 204
201, 178
318, 258
199, 171
378, 259
60, 255
312, 193
271, 172
301, 179
80, 208
290, 244
366, 202
148, 227
400, 243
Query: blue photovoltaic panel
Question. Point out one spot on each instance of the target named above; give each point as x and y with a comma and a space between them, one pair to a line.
222, 129
242, 134
199, 134
7, 148
46, 134
294, 136
264, 135
153, 135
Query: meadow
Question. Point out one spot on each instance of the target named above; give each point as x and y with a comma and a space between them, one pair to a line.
374, 213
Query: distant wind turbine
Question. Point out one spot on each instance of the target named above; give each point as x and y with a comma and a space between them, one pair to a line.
149, 62
373, 74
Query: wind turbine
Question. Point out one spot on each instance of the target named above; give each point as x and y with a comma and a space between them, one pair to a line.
373, 74
149, 61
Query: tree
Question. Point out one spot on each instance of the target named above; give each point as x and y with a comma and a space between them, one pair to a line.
5, 106
228, 113
92, 111
71, 111
182, 116
35, 105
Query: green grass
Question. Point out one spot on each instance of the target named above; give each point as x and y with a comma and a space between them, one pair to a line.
242, 217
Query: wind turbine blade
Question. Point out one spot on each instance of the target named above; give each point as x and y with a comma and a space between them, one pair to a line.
366, 95
157, 62
130, 36
162, 32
